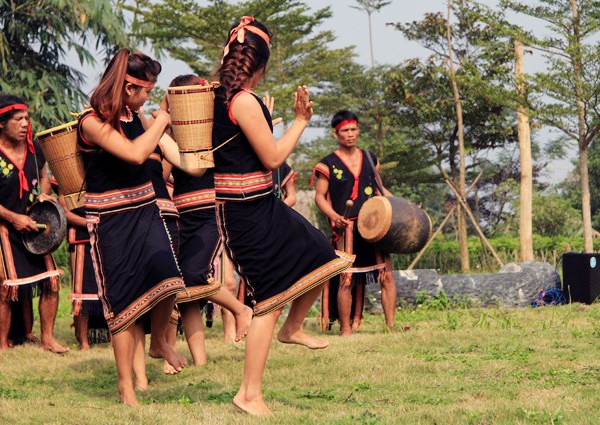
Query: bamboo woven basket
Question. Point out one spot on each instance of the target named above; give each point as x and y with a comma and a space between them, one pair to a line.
59, 145
192, 112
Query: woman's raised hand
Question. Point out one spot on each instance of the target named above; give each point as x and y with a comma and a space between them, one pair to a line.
303, 106
163, 115
269, 102
164, 103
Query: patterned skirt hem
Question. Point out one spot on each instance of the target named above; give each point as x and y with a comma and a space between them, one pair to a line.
198, 292
305, 284
145, 303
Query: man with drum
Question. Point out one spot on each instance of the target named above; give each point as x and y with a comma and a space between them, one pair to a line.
22, 178
343, 176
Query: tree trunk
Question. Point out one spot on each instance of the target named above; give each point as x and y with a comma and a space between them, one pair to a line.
371, 40
526, 192
461, 221
576, 59
585, 198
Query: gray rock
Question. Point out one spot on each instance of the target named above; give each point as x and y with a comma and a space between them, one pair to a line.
513, 286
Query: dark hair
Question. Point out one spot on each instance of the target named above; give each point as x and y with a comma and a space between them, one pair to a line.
343, 115
7, 100
243, 60
107, 99
187, 80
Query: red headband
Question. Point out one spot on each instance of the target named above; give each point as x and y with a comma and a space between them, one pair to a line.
13, 107
239, 33
23, 184
142, 83
345, 122
21, 107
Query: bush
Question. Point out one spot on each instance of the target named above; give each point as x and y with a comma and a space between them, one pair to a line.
443, 253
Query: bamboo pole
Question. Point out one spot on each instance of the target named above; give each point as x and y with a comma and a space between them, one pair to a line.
482, 237
440, 227
526, 187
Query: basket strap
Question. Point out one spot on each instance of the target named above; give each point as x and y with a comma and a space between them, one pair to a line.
225, 142
210, 151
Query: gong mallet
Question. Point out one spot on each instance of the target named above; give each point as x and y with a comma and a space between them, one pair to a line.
347, 209
349, 205
41, 226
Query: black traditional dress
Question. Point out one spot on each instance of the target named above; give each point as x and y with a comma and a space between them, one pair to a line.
133, 258
84, 289
165, 204
277, 252
17, 265
200, 244
369, 264
167, 209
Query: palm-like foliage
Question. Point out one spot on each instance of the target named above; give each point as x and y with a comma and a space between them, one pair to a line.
35, 41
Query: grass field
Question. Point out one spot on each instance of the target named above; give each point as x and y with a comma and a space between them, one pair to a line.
457, 366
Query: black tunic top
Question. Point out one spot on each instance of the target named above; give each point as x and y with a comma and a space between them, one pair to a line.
344, 185
276, 251
240, 175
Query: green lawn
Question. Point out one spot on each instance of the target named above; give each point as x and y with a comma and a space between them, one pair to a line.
460, 366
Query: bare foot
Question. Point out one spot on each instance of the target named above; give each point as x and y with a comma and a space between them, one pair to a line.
54, 347
345, 331
301, 338
84, 347
356, 325
141, 384
242, 322
32, 338
128, 395
172, 357
168, 369
252, 407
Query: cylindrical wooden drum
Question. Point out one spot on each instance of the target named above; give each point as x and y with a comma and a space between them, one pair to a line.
59, 145
192, 113
394, 224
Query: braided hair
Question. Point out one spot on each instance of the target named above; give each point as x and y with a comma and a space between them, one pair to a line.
242, 61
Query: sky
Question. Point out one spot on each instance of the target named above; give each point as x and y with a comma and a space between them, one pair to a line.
350, 26
389, 46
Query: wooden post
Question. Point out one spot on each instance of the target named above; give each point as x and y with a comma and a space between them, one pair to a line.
461, 222
482, 237
526, 190
440, 227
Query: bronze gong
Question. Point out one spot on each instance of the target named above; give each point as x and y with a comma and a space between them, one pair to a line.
52, 224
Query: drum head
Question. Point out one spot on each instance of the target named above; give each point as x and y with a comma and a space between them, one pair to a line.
374, 218
50, 214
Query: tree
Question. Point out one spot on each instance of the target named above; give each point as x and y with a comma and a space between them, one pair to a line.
478, 84
552, 216
300, 52
370, 92
460, 132
565, 94
371, 6
35, 39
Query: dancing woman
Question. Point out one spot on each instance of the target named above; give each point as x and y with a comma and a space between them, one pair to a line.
135, 267
281, 256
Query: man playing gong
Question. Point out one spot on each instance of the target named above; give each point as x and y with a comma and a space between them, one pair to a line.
346, 174
22, 178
